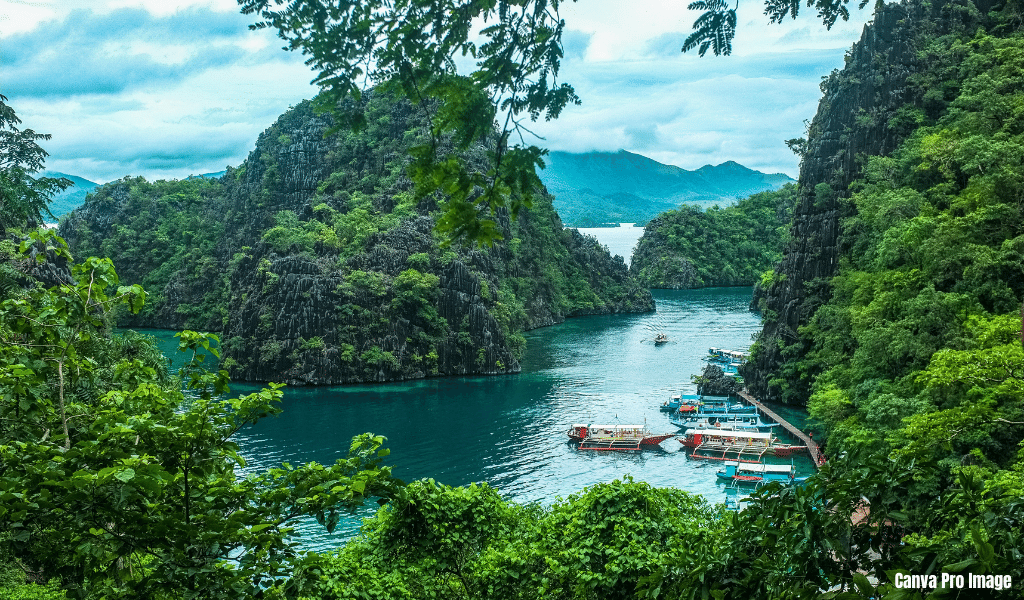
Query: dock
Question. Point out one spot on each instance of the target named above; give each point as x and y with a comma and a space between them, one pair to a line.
812, 447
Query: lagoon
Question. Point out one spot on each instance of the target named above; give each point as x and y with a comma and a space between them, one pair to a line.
509, 431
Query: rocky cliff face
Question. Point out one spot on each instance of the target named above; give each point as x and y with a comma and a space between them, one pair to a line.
318, 266
867, 108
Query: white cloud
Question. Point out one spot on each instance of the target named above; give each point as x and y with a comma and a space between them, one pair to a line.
168, 88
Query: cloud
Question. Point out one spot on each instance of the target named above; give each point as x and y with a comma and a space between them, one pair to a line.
168, 88
575, 44
90, 53
666, 44
692, 112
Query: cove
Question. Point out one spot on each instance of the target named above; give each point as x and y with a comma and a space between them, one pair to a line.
509, 431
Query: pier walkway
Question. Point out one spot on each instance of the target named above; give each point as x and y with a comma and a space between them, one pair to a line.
812, 448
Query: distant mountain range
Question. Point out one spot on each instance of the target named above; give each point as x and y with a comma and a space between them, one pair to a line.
71, 198
622, 187
591, 188
74, 196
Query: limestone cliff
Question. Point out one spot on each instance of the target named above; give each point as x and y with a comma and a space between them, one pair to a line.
318, 265
867, 108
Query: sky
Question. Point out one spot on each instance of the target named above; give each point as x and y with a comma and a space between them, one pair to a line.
169, 88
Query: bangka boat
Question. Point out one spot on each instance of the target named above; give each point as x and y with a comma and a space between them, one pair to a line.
725, 422
660, 339
719, 444
679, 402
615, 437
726, 356
753, 474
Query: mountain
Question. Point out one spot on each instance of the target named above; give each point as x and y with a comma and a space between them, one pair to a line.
319, 265
907, 239
614, 187
71, 198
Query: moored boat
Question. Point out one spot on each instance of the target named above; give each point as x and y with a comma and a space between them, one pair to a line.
680, 402
615, 437
753, 474
724, 422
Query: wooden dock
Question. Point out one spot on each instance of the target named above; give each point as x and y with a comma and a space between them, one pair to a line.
812, 447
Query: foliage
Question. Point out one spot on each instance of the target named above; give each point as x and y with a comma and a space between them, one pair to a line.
715, 28
235, 254
435, 541
117, 483
24, 199
408, 49
691, 248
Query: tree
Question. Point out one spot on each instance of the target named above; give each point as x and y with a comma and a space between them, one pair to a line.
24, 199
409, 49
116, 483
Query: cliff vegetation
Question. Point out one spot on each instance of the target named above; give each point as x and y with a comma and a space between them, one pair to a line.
693, 248
319, 262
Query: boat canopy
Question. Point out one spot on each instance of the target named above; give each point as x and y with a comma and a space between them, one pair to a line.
753, 435
617, 427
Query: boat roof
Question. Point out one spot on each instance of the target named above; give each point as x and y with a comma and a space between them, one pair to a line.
766, 468
731, 433
616, 426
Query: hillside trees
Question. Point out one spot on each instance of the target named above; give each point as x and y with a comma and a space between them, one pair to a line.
23, 198
114, 482
691, 248
412, 49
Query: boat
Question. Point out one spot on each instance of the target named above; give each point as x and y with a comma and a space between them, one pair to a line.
680, 402
720, 355
615, 437
660, 339
733, 423
719, 444
758, 473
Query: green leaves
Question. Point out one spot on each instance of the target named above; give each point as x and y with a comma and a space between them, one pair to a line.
116, 484
409, 49
24, 199
712, 30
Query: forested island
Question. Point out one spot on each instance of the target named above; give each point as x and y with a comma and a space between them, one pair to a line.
318, 264
691, 248
894, 315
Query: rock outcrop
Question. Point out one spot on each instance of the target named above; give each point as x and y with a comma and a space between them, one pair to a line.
868, 108
319, 266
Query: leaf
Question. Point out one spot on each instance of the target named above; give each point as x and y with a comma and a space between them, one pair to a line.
125, 475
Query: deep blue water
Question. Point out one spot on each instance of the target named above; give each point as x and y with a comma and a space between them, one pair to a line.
509, 431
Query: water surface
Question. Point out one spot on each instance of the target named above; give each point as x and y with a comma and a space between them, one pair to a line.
621, 240
509, 431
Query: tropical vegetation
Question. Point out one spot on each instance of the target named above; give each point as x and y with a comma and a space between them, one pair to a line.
692, 248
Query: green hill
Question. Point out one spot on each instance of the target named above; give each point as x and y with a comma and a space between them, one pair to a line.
615, 187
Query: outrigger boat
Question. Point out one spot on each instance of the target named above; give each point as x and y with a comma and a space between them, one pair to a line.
730, 422
726, 356
678, 402
754, 474
615, 437
719, 444
660, 339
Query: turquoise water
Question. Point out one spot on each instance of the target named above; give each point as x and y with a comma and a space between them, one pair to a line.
621, 240
509, 431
